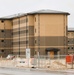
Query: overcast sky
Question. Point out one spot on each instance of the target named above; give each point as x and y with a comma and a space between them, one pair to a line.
10, 7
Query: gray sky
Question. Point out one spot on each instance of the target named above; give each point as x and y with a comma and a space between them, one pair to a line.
10, 7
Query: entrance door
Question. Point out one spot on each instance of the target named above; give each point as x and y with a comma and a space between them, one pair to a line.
51, 54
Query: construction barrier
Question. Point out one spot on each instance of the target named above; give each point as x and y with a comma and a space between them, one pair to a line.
70, 60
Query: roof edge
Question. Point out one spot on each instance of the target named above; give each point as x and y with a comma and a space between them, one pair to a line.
35, 12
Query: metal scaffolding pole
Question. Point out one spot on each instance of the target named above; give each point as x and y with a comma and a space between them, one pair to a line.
19, 33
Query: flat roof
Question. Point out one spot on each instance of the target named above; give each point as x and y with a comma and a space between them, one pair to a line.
35, 12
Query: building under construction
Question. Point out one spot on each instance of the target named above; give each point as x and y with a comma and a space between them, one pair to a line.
70, 40
43, 31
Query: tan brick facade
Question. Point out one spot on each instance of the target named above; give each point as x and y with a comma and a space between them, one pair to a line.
71, 41
36, 31
5, 37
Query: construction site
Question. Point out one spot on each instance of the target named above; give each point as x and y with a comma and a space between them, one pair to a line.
37, 39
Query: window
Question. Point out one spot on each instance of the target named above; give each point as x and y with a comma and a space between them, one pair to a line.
72, 48
26, 42
35, 30
2, 40
35, 19
26, 31
35, 41
68, 40
2, 30
2, 51
2, 21
68, 47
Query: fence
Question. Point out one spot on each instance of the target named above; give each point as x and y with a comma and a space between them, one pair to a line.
41, 61
56, 62
12, 61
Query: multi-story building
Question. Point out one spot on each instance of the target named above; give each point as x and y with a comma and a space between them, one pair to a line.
5, 37
71, 40
40, 31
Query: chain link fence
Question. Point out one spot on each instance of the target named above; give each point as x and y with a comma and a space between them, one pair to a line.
56, 62
45, 62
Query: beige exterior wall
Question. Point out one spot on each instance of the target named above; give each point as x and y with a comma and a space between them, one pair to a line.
48, 30
25, 25
52, 32
5, 37
19, 24
70, 42
37, 32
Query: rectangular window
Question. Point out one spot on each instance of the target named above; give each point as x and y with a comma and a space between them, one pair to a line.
2, 40
2, 51
35, 19
26, 42
72, 48
68, 48
2, 30
35, 41
68, 40
26, 31
35, 30
2, 21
